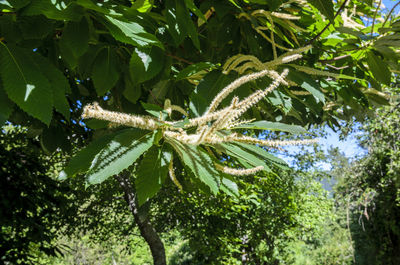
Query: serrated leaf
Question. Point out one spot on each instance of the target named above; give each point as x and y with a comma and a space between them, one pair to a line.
260, 152
152, 172
229, 186
272, 126
189, 4
24, 82
105, 72
193, 69
53, 138
184, 18
131, 33
236, 151
309, 84
52, 10
325, 7
80, 162
35, 27
6, 106
121, 152
75, 36
199, 162
145, 64
59, 84
378, 68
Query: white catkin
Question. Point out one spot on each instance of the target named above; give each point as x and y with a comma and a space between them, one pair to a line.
239, 172
142, 122
232, 86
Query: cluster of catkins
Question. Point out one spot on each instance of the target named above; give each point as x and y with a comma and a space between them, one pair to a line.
212, 125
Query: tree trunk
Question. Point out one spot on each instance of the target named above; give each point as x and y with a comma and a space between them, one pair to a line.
146, 229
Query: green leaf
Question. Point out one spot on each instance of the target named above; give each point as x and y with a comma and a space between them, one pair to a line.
24, 82
325, 7
75, 37
6, 106
53, 10
81, 162
131, 33
154, 109
35, 27
199, 162
189, 4
272, 126
53, 138
261, 152
59, 84
378, 68
194, 69
142, 5
145, 64
123, 150
105, 73
229, 186
183, 17
175, 27
234, 150
131, 92
152, 172
305, 81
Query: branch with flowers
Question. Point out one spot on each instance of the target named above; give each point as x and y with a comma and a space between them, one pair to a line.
198, 142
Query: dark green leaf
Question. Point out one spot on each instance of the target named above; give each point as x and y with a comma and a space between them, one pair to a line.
194, 69
145, 64
378, 68
123, 150
24, 82
325, 7
105, 70
75, 37
54, 10
59, 84
152, 172
6, 106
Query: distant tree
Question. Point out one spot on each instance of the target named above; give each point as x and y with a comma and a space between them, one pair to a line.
369, 190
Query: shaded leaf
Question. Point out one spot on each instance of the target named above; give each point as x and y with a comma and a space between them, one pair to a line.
325, 7
105, 72
25, 83
151, 172
378, 68
193, 69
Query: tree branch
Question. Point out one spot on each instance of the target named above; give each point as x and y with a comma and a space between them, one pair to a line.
330, 22
147, 231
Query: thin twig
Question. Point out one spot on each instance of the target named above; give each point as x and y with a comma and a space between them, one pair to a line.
376, 12
330, 22
390, 12
179, 59
335, 59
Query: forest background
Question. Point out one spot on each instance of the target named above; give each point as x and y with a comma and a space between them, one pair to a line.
122, 142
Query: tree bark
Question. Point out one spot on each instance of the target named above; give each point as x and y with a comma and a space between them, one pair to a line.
147, 231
